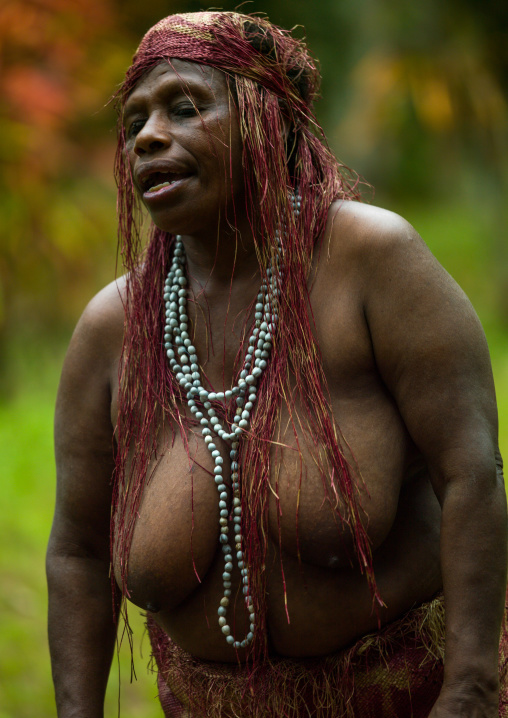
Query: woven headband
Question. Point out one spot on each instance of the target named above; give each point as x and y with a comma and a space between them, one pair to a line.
222, 40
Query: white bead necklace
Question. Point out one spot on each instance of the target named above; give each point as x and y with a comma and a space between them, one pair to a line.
183, 361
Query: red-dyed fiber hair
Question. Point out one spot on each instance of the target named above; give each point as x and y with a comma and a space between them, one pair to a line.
271, 76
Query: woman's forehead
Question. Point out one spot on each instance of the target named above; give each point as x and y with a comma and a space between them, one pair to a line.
183, 73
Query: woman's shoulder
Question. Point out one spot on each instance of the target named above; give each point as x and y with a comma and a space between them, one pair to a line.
108, 304
357, 227
98, 337
359, 237
104, 313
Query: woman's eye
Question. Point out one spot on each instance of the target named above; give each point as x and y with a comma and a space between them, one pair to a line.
186, 110
135, 127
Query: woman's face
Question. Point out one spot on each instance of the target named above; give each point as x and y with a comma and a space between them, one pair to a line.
184, 147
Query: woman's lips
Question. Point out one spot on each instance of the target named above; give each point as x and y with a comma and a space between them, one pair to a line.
164, 188
157, 187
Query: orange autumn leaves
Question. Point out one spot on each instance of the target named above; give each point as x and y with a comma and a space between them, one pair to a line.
58, 65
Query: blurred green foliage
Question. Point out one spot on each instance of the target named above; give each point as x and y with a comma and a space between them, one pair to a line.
28, 497
414, 99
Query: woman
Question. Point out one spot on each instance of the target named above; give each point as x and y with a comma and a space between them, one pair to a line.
297, 406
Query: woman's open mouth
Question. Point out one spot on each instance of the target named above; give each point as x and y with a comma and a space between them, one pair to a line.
160, 182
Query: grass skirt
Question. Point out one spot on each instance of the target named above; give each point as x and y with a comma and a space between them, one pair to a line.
397, 671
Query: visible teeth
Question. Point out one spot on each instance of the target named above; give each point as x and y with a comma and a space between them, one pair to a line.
159, 186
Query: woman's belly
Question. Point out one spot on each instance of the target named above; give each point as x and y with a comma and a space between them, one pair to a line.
176, 565
326, 609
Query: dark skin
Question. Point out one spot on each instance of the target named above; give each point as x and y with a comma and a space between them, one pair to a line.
409, 376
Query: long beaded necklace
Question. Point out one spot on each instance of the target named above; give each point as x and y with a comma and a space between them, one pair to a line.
183, 361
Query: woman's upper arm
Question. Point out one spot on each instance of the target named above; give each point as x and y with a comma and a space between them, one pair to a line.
431, 351
84, 441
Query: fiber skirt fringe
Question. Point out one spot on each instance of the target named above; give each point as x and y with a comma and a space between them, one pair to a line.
395, 672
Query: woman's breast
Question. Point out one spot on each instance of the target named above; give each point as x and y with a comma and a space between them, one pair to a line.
176, 537
308, 516
177, 528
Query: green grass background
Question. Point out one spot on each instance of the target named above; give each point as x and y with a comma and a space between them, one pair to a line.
456, 237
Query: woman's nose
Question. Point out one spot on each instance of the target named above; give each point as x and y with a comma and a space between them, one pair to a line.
153, 136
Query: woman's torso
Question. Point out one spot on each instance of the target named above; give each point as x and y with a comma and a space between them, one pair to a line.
176, 563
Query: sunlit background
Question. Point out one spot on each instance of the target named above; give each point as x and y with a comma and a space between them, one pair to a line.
413, 98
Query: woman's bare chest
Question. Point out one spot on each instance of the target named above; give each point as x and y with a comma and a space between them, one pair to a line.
304, 510
176, 538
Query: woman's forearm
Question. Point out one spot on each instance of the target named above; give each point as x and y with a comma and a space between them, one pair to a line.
474, 559
82, 633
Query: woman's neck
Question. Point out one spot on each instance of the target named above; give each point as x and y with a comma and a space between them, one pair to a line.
221, 260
